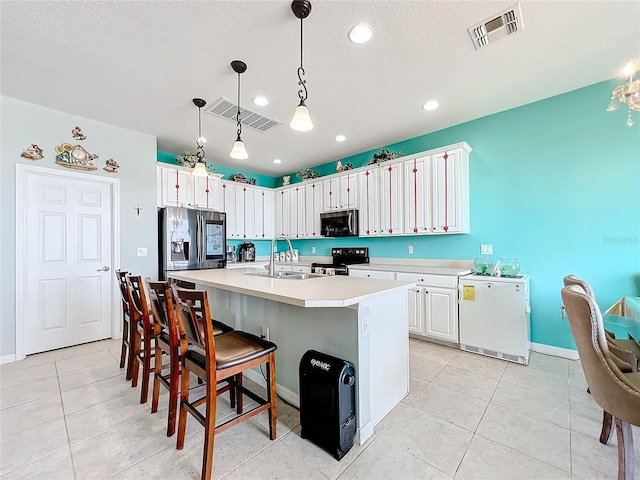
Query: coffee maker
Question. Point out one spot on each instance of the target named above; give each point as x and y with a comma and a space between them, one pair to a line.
231, 253
247, 252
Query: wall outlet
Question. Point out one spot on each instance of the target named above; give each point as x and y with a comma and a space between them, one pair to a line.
313, 249
142, 252
486, 249
410, 249
265, 333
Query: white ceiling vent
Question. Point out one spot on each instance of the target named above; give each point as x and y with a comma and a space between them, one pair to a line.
225, 108
496, 27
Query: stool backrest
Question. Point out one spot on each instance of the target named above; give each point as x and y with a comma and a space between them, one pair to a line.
138, 305
121, 276
163, 309
193, 312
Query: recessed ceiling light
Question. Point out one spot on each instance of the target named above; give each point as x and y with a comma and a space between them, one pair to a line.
430, 105
361, 33
261, 101
277, 160
340, 138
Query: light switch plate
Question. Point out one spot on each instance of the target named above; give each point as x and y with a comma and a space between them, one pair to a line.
142, 252
313, 249
410, 249
486, 249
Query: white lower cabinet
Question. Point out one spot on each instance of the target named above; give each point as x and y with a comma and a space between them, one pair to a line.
300, 268
433, 305
282, 268
433, 312
441, 313
372, 274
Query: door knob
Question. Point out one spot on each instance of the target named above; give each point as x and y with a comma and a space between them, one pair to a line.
103, 269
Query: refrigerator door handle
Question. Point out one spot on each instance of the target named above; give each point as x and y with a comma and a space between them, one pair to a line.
198, 239
459, 293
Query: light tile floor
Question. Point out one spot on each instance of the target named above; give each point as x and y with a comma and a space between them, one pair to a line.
70, 414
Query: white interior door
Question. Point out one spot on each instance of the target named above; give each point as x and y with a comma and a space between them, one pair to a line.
66, 269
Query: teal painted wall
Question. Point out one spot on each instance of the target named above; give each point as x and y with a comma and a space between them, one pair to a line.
261, 180
555, 184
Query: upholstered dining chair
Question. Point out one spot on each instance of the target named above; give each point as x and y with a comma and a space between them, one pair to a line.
126, 352
214, 359
616, 392
623, 358
168, 343
145, 331
626, 350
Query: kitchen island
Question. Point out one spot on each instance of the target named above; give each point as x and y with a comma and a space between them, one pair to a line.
360, 320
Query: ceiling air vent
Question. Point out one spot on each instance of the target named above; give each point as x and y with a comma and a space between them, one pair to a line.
496, 27
225, 108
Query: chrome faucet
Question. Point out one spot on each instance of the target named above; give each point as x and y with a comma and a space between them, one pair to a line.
273, 243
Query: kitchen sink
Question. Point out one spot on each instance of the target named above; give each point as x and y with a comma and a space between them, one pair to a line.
287, 275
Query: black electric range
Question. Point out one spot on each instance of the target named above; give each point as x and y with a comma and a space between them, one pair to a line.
341, 259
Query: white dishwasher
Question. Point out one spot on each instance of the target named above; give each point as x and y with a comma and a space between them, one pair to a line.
494, 316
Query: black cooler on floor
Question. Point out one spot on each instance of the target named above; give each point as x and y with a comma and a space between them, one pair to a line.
328, 402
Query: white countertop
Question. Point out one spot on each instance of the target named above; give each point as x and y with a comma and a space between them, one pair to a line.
325, 291
424, 269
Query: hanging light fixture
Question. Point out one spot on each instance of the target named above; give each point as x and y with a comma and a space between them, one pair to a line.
200, 168
301, 119
628, 93
238, 151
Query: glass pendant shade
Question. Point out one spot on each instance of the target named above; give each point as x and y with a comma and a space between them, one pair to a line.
200, 170
239, 152
301, 119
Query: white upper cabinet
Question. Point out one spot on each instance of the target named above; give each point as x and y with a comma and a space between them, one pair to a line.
228, 205
391, 213
297, 211
369, 189
263, 214
243, 211
422, 194
283, 212
176, 187
313, 207
450, 172
348, 191
206, 192
417, 196
340, 192
330, 194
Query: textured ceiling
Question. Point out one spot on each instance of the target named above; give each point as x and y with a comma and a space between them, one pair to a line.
139, 64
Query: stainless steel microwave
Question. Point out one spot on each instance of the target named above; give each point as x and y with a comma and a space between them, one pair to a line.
339, 224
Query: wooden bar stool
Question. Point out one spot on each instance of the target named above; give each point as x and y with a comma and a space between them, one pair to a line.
168, 342
126, 354
144, 332
216, 359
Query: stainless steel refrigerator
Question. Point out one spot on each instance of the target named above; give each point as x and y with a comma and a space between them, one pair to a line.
191, 239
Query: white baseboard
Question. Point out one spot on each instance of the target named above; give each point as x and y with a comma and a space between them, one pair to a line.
8, 358
555, 351
286, 394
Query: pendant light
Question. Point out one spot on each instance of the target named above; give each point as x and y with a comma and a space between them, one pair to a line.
301, 119
200, 168
239, 151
